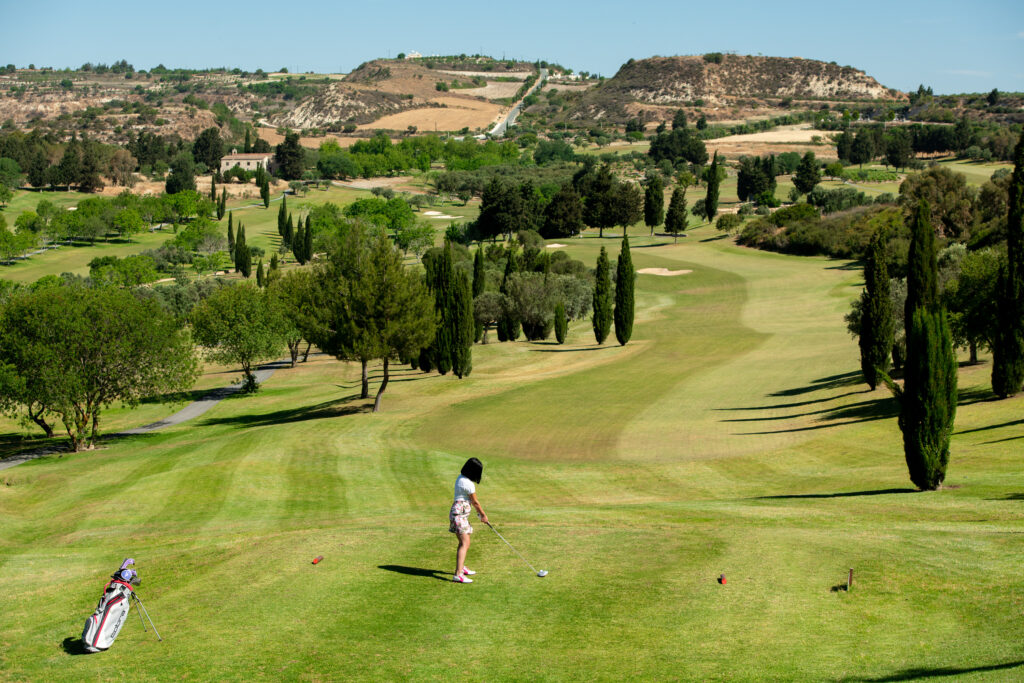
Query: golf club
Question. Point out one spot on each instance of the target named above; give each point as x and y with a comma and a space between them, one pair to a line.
542, 573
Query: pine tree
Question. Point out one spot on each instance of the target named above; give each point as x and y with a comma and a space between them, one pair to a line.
711, 200
928, 396
282, 216
654, 202
625, 280
561, 323
1008, 346
478, 288
675, 219
602, 319
808, 174
876, 326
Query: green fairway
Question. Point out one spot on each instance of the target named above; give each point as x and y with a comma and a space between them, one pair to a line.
730, 436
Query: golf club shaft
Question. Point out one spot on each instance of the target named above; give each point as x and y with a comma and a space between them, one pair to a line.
513, 549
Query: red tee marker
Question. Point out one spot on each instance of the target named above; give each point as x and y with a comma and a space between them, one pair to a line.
721, 579
318, 558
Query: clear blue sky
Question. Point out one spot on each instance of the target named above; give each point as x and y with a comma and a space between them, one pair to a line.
962, 46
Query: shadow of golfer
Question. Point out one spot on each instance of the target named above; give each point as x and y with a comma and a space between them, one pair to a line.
417, 571
73, 646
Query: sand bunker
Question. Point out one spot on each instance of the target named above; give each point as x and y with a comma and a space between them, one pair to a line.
663, 271
431, 213
556, 245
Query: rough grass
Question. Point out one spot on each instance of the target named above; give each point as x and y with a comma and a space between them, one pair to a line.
730, 436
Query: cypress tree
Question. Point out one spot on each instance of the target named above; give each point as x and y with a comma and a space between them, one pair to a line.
442, 350
509, 327
222, 206
675, 219
298, 244
213, 187
711, 200
307, 241
478, 289
1008, 345
464, 325
876, 326
247, 147
273, 263
282, 216
561, 323
654, 202
289, 232
260, 278
246, 261
265, 192
231, 236
625, 280
602, 319
922, 272
928, 397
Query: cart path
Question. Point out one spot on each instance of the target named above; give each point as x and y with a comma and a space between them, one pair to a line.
192, 410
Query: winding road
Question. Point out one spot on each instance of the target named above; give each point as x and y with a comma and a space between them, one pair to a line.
510, 120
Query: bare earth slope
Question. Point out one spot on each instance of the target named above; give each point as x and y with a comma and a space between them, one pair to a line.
679, 81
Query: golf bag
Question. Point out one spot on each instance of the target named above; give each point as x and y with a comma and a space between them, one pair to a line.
112, 611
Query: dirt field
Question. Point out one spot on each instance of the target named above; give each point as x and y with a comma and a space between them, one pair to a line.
783, 139
458, 113
156, 187
274, 138
494, 90
518, 75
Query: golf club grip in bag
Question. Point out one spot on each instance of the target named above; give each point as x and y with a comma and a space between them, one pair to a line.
111, 614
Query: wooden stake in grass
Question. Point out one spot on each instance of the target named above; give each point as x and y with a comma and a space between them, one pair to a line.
849, 580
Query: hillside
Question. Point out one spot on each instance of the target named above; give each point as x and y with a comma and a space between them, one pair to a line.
426, 93
723, 86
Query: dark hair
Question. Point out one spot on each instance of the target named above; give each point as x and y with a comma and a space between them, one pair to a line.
473, 469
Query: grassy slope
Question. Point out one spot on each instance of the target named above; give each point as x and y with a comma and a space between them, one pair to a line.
729, 436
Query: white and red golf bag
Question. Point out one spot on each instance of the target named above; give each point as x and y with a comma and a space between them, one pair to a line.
112, 611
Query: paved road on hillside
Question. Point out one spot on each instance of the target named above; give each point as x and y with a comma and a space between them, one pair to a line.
500, 128
192, 410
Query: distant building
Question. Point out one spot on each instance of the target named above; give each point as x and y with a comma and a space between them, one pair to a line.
247, 161
413, 55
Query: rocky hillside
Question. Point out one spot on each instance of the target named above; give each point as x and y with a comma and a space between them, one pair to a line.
722, 80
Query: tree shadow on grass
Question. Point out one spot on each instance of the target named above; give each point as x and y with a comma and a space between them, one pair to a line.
320, 411
73, 646
796, 404
716, 238
855, 413
847, 265
844, 494
649, 246
585, 348
920, 673
1011, 423
823, 384
417, 571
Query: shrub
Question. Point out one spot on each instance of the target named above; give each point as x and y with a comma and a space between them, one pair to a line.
728, 222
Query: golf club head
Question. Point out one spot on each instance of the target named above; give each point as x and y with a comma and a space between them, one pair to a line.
127, 563
542, 573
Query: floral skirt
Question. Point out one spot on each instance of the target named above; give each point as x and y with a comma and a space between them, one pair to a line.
458, 518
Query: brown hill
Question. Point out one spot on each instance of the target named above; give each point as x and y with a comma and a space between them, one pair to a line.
721, 81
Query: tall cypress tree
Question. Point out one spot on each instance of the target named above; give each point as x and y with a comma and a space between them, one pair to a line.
247, 147
602, 319
479, 282
298, 242
464, 325
213, 187
1008, 346
928, 397
265, 192
876, 326
222, 206
231, 234
261, 280
282, 216
307, 241
289, 232
711, 200
443, 286
654, 202
509, 326
625, 280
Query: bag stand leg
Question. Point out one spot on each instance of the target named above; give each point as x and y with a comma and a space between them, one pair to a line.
142, 609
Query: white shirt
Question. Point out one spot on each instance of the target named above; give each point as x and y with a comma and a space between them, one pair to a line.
464, 486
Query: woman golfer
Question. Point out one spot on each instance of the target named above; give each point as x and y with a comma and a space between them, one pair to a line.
458, 517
